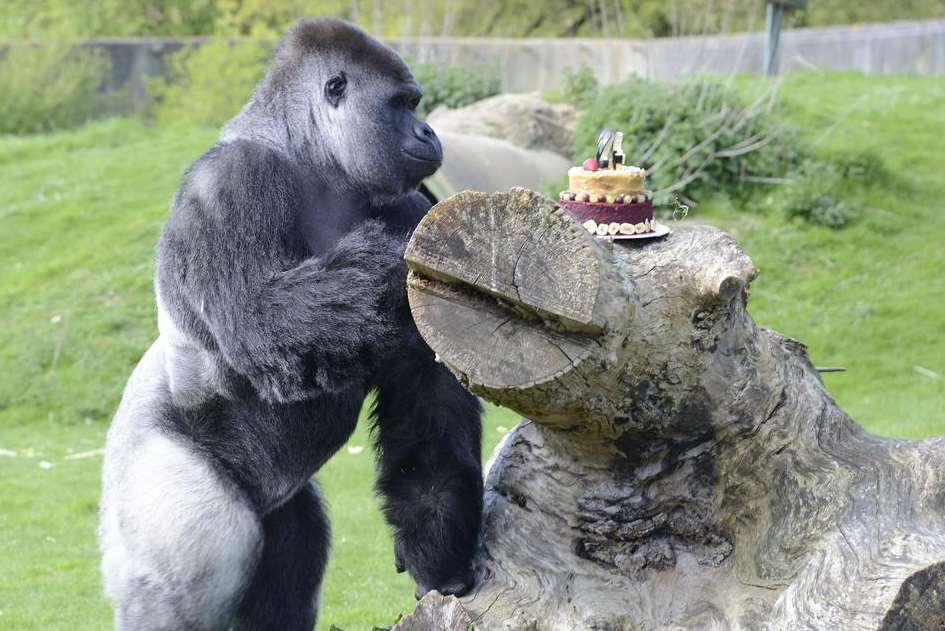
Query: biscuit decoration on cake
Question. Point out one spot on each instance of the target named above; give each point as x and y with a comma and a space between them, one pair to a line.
608, 196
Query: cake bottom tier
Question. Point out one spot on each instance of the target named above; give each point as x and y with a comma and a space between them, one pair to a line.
613, 219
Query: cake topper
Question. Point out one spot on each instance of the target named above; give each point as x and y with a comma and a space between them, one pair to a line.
605, 148
618, 156
610, 149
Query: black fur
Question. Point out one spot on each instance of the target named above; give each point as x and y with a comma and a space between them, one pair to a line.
295, 551
282, 268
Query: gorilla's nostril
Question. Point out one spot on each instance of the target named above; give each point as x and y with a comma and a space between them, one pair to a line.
422, 130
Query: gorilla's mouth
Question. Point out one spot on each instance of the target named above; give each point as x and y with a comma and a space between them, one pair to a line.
493, 297
429, 159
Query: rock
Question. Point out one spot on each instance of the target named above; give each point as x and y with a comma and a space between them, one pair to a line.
526, 120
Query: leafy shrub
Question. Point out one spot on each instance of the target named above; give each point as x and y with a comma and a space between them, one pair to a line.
820, 208
813, 192
693, 138
866, 167
208, 85
455, 86
579, 87
49, 87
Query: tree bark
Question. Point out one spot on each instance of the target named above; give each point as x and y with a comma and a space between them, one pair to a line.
677, 467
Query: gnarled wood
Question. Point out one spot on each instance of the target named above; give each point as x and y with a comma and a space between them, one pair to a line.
680, 467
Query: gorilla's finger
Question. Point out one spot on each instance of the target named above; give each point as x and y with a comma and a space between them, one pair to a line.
421, 591
458, 585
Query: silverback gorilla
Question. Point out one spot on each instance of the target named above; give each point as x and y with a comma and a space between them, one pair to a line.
281, 304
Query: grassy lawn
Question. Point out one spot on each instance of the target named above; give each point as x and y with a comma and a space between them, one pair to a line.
870, 297
80, 212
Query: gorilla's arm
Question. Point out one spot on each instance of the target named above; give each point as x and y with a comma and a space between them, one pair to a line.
234, 272
429, 434
428, 430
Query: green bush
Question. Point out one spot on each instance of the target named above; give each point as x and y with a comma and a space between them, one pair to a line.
455, 86
208, 85
50, 87
579, 87
815, 189
819, 208
693, 138
700, 138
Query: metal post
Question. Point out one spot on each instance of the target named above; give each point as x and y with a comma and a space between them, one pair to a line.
772, 35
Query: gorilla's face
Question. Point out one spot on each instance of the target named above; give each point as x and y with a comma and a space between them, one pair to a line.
369, 122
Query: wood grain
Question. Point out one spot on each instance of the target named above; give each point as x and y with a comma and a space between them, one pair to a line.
687, 469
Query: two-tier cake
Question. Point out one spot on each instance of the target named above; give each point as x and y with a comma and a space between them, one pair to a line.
607, 196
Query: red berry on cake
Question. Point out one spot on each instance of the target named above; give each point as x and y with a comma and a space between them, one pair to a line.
590, 165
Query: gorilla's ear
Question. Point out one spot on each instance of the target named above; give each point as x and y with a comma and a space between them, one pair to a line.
335, 88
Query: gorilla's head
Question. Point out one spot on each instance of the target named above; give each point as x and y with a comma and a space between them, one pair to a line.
347, 101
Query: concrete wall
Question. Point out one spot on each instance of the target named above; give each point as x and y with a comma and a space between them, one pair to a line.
537, 64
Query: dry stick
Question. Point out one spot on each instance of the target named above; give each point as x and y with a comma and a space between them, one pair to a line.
757, 179
733, 152
747, 114
682, 159
653, 145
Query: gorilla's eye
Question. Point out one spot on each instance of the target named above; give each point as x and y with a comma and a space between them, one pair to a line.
409, 99
335, 88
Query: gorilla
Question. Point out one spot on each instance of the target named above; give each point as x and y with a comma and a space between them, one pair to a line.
281, 305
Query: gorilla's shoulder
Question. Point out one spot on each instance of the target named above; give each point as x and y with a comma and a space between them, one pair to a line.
238, 164
237, 176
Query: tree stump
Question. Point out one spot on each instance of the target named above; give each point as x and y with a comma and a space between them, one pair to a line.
677, 466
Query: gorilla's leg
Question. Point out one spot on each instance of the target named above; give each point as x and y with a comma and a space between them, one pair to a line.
428, 431
179, 541
284, 592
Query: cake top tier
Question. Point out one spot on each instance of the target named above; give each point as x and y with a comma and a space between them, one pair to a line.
607, 173
623, 179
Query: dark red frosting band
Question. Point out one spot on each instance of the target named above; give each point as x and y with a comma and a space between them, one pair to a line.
610, 213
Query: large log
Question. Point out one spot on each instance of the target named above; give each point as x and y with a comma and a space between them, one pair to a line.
677, 467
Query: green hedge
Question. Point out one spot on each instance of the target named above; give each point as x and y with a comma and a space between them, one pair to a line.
51, 87
455, 86
693, 138
208, 85
707, 137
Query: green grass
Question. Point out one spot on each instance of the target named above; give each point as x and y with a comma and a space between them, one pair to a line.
870, 297
80, 212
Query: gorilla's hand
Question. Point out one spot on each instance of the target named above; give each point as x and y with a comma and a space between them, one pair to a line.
375, 258
318, 325
434, 501
457, 584
370, 248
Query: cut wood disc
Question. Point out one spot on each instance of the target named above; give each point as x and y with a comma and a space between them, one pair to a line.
505, 286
